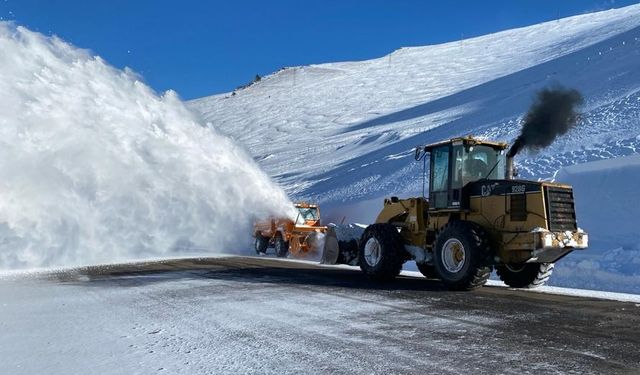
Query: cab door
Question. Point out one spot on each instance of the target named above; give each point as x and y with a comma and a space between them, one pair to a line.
440, 177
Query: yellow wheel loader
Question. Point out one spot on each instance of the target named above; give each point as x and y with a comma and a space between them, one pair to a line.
477, 217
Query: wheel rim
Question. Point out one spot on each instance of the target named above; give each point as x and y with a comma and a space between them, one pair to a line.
372, 252
257, 245
453, 255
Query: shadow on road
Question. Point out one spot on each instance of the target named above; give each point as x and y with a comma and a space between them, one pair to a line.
239, 269
350, 279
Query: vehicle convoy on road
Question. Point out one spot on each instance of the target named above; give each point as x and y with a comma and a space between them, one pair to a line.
303, 237
477, 217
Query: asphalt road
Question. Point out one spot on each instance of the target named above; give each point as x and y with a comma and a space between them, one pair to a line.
263, 315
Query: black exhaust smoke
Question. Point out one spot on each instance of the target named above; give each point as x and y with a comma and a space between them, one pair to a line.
551, 115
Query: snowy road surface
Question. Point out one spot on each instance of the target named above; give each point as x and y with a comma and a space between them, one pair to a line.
262, 315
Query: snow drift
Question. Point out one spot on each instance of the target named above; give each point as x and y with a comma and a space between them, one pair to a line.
96, 167
607, 206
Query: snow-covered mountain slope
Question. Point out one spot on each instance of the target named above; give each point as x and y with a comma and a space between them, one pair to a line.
343, 134
96, 167
345, 131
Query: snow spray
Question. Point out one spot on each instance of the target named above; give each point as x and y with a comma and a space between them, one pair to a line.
96, 167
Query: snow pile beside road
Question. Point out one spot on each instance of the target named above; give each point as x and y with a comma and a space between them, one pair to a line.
607, 207
95, 167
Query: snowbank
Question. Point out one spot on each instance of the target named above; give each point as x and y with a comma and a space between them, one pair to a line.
607, 197
607, 206
95, 167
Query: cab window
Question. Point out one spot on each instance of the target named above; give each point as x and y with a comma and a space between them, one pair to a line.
439, 178
440, 169
307, 214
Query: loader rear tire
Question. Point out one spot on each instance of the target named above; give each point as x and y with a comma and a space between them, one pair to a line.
261, 244
281, 246
461, 256
381, 252
528, 275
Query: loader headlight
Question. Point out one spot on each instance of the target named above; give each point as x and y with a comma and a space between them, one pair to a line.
547, 240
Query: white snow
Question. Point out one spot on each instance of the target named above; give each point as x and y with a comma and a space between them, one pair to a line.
607, 203
96, 167
343, 134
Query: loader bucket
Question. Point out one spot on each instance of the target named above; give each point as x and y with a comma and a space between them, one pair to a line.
331, 251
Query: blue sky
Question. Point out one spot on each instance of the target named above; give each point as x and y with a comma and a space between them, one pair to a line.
202, 47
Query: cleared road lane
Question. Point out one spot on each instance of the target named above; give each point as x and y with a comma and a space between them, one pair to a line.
263, 315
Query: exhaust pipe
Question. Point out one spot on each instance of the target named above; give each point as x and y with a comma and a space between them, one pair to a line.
509, 167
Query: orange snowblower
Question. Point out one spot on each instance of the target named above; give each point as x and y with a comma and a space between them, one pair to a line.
303, 238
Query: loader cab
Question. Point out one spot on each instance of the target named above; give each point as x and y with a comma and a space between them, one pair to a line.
458, 162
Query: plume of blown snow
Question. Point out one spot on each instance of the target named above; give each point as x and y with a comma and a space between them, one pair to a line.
96, 167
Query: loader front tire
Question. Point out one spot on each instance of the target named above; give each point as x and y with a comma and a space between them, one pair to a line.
381, 252
281, 246
527, 275
261, 244
461, 256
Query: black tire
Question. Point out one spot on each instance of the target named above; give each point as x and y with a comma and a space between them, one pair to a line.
388, 246
528, 275
261, 244
348, 252
427, 270
470, 243
281, 246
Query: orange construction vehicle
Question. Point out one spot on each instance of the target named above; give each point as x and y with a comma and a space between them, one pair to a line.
301, 238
